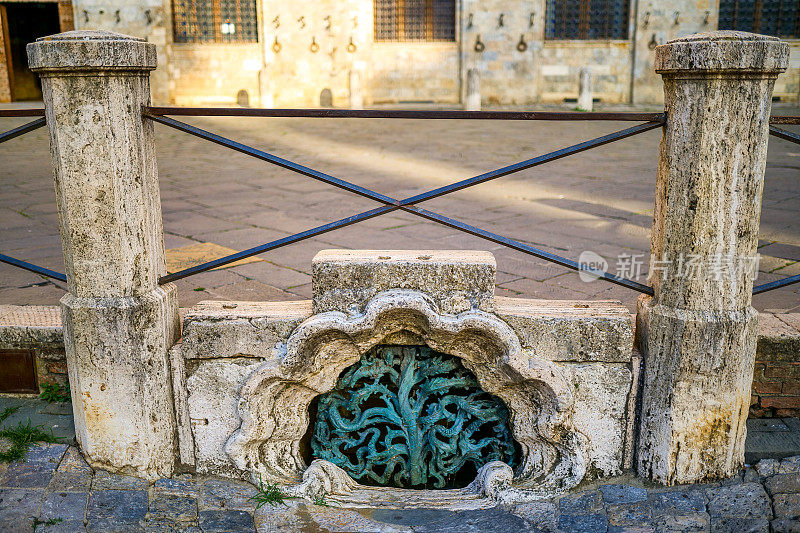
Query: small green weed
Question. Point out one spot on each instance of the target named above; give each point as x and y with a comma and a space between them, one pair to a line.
198, 289
21, 437
54, 392
269, 493
320, 500
51, 522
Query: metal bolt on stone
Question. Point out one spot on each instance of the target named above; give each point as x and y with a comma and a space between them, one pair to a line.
473, 99
698, 332
118, 322
585, 90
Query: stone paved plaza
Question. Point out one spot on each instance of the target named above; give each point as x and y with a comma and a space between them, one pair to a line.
600, 200
54, 490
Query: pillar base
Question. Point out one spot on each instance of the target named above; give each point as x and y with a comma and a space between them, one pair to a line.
696, 392
118, 369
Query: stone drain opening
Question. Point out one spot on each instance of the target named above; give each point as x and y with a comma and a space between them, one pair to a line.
410, 417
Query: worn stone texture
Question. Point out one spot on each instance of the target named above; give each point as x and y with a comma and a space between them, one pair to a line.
345, 280
472, 101
585, 90
118, 322
698, 333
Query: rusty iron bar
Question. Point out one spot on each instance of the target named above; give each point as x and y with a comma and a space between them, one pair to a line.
399, 114
22, 130
776, 284
393, 204
26, 112
30, 267
784, 134
784, 119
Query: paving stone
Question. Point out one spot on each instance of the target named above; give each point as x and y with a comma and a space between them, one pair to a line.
786, 505
45, 453
168, 526
684, 523
767, 467
677, 502
73, 473
791, 465
783, 483
62, 526
28, 474
747, 500
617, 494
174, 506
630, 514
107, 481
739, 525
496, 520
630, 529
583, 503
182, 486
410, 517
291, 517
585, 523
112, 525
18, 508
785, 525
227, 494
64, 505
218, 520
126, 507
541, 514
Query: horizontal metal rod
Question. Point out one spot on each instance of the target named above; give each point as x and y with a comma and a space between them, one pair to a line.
530, 250
222, 261
22, 130
275, 160
776, 284
776, 119
784, 134
32, 268
398, 113
539, 160
25, 112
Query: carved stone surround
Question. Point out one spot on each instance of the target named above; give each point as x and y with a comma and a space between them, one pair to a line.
246, 373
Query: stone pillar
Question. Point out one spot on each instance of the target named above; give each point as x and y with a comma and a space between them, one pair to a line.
473, 100
118, 322
585, 90
356, 93
698, 332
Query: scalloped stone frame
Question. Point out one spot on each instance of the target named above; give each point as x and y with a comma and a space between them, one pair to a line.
274, 399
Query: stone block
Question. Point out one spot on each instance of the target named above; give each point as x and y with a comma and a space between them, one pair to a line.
172, 506
68, 506
345, 280
219, 521
786, 505
567, 330
622, 494
227, 495
107, 481
748, 500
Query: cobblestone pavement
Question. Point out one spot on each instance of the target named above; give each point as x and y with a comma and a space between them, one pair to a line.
600, 200
54, 490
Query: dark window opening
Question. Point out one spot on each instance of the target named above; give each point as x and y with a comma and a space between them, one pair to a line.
587, 19
415, 20
780, 18
215, 21
25, 22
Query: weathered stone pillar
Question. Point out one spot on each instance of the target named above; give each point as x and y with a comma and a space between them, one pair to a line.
356, 93
473, 100
698, 332
585, 90
118, 322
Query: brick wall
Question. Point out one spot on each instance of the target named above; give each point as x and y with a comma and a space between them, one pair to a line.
776, 380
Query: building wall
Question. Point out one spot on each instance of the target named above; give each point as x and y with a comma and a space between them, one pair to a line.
208, 74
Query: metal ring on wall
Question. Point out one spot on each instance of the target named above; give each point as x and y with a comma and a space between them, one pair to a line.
522, 46
479, 46
276, 46
314, 46
351, 46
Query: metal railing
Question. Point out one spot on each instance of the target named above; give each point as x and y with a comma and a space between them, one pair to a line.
649, 121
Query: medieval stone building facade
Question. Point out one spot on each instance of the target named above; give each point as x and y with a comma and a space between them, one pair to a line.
300, 53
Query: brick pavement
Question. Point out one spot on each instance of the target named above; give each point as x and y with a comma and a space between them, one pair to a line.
599, 200
54, 490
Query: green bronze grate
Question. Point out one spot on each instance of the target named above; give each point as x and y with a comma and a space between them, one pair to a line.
410, 417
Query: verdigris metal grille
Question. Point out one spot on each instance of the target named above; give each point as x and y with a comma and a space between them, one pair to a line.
410, 417
586, 19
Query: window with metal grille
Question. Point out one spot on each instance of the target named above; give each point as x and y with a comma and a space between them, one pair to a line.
215, 21
780, 18
415, 20
587, 19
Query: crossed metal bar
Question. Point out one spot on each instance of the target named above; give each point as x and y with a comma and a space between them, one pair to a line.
393, 204
654, 120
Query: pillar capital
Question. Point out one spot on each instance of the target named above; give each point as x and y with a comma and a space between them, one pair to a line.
720, 52
89, 51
